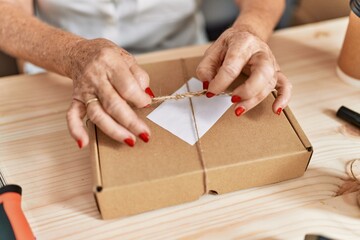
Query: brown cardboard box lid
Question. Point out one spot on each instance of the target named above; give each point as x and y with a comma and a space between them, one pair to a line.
255, 149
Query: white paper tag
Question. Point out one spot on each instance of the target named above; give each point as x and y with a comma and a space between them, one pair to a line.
176, 116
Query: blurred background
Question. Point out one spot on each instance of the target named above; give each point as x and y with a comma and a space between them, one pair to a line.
220, 14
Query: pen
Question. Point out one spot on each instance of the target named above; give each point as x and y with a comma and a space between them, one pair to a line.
349, 115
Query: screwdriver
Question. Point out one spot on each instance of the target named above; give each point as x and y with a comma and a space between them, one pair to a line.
13, 223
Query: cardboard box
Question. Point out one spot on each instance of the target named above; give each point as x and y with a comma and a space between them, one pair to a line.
255, 149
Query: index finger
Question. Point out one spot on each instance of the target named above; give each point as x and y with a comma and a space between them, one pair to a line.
210, 63
262, 77
140, 75
108, 125
121, 112
128, 87
235, 59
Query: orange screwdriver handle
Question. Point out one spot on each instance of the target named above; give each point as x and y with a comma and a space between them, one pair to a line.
13, 223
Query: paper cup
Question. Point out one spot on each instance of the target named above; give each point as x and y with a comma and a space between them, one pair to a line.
349, 60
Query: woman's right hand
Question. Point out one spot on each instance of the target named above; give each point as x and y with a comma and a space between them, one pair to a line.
100, 69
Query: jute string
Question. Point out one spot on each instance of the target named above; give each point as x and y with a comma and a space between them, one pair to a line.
198, 143
189, 95
183, 95
354, 177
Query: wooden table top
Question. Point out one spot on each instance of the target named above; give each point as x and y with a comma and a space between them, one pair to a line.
37, 153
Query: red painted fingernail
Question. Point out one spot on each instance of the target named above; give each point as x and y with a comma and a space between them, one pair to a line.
239, 111
278, 112
210, 94
149, 92
79, 143
205, 85
129, 142
144, 136
235, 99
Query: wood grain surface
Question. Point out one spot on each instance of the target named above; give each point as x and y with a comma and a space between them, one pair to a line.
37, 153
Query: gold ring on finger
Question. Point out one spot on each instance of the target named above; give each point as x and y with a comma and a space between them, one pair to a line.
92, 100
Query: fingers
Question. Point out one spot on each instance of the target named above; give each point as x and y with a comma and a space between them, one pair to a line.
210, 64
140, 75
75, 115
257, 87
243, 106
283, 88
235, 59
128, 87
262, 77
110, 75
102, 120
142, 78
121, 112
111, 114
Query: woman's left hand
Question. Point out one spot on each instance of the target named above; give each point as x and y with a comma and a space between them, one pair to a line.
225, 59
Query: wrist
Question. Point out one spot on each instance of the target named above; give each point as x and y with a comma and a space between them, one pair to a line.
244, 27
80, 52
72, 58
253, 25
259, 17
84, 51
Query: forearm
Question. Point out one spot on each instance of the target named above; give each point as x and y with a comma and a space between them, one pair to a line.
25, 37
259, 16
